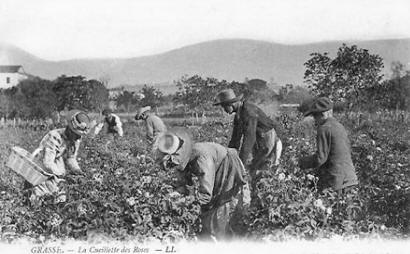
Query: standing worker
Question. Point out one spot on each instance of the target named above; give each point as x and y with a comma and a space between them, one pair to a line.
112, 124
332, 159
220, 174
256, 131
154, 124
59, 149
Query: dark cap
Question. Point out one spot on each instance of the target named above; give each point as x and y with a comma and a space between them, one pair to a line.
320, 104
106, 111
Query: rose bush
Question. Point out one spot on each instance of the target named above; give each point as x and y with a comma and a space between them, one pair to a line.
290, 207
124, 194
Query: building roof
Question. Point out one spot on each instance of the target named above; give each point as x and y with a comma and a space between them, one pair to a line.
10, 68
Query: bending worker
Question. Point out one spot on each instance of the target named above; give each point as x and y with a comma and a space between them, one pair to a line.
112, 124
153, 123
220, 174
59, 149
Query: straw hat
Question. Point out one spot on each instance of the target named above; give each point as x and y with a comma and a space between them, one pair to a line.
176, 145
141, 111
227, 96
78, 122
168, 143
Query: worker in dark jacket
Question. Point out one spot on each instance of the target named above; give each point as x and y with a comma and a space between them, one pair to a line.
256, 131
254, 128
332, 161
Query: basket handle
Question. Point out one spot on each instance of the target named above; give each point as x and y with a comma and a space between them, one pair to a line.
36, 152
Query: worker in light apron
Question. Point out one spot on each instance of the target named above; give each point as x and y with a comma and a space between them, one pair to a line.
58, 153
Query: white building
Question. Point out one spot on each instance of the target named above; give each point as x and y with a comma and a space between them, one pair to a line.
11, 75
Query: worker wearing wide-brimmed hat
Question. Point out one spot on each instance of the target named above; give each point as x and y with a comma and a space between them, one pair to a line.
59, 149
220, 173
155, 126
332, 161
255, 129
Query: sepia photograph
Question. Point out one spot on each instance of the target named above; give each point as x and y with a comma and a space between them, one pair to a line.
177, 126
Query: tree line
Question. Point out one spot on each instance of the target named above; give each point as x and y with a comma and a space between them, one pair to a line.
353, 79
37, 98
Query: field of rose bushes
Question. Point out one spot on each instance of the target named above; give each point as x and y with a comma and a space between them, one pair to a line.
123, 194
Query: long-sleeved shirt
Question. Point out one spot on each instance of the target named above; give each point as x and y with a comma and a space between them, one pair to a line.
219, 170
112, 123
333, 156
154, 126
56, 148
250, 123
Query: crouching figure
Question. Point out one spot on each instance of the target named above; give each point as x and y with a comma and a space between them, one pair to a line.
222, 187
58, 150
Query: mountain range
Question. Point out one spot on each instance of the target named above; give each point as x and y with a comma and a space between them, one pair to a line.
230, 59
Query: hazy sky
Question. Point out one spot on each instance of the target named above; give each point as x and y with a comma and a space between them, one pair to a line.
59, 29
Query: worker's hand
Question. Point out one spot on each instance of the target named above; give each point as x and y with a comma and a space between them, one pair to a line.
77, 171
74, 167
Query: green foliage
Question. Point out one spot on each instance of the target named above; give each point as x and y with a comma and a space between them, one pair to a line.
398, 70
391, 94
4, 104
198, 93
257, 90
31, 98
78, 93
126, 100
345, 77
290, 206
39, 98
151, 97
297, 95
147, 96
97, 96
257, 84
124, 193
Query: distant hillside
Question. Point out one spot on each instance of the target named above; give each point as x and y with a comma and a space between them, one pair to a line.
233, 59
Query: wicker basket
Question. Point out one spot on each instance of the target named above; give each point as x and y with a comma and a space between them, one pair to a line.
22, 163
